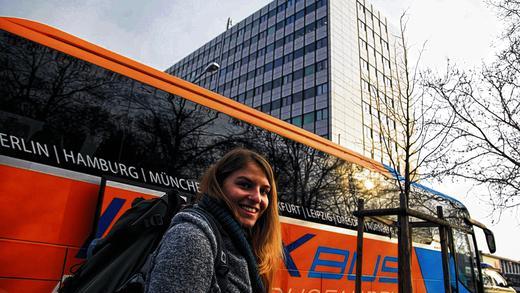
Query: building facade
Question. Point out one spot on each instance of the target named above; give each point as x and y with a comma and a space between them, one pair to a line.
317, 64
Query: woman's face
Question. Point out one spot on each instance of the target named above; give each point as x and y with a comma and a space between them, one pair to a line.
247, 189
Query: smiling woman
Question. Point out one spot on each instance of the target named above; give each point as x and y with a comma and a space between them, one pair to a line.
239, 194
247, 190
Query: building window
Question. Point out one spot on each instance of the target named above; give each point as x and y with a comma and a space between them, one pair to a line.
276, 104
364, 85
362, 26
309, 93
321, 22
297, 74
366, 108
263, 18
261, 52
298, 53
250, 93
363, 45
287, 58
286, 101
297, 120
320, 3
297, 97
271, 30
321, 89
267, 86
281, 7
321, 43
299, 15
277, 82
278, 62
308, 118
288, 38
268, 67
310, 8
287, 79
266, 107
310, 28
299, 33
364, 64
279, 43
321, 114
280, 25
309, 70
322, 65
289, 20
310, 48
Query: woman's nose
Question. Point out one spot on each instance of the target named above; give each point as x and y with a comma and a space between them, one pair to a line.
255, 195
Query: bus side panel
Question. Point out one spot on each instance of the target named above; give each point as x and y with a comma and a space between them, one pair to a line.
26, 286
46, 219
418, 278
31, 260
431, 267
326, 262
45, 208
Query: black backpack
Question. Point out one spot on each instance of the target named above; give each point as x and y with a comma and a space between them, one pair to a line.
120, 261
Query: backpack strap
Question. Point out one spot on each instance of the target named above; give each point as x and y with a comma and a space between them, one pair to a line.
221, 260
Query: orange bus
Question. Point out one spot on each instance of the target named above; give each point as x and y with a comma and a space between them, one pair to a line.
84, 131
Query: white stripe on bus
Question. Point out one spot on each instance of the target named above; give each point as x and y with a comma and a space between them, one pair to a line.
50, 170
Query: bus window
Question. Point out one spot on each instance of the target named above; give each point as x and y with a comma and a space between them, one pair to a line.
467, 269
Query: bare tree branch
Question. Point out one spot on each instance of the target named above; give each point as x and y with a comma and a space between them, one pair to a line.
484, 145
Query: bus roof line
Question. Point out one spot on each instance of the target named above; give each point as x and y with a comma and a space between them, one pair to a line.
399, 177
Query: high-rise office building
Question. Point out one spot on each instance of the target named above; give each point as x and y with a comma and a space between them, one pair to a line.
317, 64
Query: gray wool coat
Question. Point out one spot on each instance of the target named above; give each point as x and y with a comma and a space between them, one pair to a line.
184, 260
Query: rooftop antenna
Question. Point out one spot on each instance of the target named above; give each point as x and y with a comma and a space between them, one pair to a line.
229, 23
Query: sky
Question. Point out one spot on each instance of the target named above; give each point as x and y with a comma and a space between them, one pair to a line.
163, 31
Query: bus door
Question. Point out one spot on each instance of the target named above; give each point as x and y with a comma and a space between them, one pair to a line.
464, 265
462, 259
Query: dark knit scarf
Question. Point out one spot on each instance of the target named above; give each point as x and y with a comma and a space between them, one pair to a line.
238, 237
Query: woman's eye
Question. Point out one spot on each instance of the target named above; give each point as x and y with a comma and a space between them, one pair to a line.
244, 184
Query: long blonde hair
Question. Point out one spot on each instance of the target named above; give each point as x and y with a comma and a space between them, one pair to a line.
266, 233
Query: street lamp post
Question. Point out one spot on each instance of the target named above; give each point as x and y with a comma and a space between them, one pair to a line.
210, 68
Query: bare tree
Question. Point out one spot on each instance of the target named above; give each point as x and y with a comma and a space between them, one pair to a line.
412, 126
484, 145
411, 130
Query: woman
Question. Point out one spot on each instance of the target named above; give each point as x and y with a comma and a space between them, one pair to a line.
239, 192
